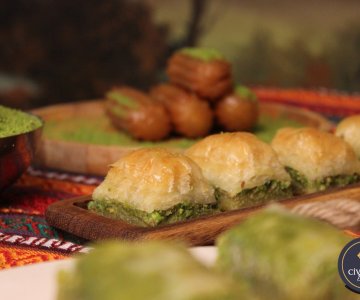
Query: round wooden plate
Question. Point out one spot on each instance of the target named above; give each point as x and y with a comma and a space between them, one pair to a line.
95, 159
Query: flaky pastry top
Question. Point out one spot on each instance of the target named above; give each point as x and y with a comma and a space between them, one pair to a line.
155, 179
236, 161
315, 153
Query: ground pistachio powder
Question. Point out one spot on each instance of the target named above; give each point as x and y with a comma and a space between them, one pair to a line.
14, 122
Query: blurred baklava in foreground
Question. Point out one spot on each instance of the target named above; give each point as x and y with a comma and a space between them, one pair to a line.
316, 160
286, 256
149, 187
244, 170
149, 270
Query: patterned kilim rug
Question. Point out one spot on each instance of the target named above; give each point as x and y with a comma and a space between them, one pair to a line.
25, 237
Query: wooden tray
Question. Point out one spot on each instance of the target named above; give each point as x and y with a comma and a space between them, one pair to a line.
72, 216
95, 159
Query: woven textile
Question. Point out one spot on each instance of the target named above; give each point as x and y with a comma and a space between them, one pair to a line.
25, 236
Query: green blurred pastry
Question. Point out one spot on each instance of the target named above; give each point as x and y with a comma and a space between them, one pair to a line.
285, 257
151, 271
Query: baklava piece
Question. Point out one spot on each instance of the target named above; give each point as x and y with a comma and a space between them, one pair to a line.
137, 271
136, 113
190, 116
349, 130
281, 255
148, 187
200, 70
316, 160
238, 111
244, 170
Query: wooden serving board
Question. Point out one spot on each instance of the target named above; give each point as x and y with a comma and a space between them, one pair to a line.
72, 216
95, 159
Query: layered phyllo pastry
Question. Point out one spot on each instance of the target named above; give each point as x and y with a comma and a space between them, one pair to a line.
349, 130
137, 271
281, 254
148, 187
243, 170
316, 160
203, 71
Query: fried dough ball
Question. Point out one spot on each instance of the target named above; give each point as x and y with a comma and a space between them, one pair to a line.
136, 113
191, 116
202, 71
238, 111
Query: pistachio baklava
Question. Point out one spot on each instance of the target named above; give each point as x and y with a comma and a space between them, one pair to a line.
316, 160
243, 170
148, 187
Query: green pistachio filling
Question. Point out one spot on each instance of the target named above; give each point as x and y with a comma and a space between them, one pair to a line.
270, 190
301, 185
204, 54
177, 213
14, 122
245, 93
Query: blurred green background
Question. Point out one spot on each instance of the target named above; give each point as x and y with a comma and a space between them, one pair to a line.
57, 51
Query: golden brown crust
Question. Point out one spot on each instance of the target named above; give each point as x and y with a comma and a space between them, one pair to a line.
208, 79
349, 130
235, 113
143, 118
236, 161
314, 153
190, 116
155, 179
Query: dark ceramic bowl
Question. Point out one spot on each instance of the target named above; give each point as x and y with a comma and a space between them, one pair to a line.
16, 155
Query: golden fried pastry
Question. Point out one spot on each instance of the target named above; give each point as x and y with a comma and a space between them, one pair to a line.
153, 186
316, 160
137, 114
238, 111
349, 130
190, 116
203, 71
244, 170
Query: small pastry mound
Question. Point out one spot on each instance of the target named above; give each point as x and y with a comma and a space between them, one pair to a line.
191, 116
349, 130
316, 160
244, 170
148, 270
137, 114
148, 187
200, 70
238, 111
281, 254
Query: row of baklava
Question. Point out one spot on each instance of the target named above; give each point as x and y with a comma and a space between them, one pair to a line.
223, 172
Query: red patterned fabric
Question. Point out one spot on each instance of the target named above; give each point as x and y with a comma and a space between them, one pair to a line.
25, 236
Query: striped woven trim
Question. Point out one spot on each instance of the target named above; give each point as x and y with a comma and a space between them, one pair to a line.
77, 178
53, 245
342, 213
